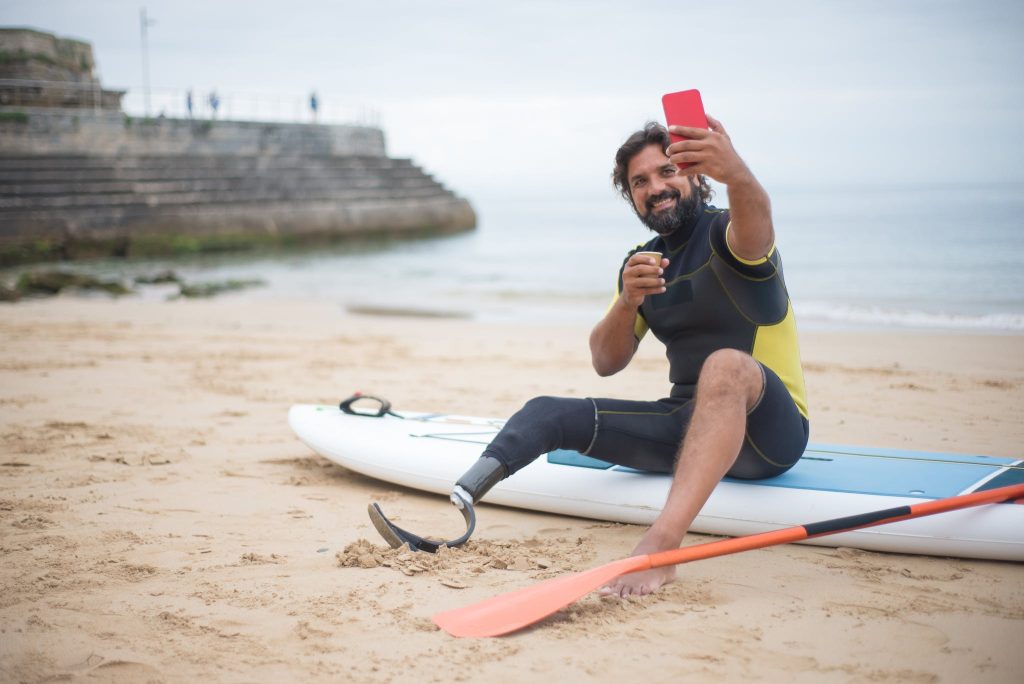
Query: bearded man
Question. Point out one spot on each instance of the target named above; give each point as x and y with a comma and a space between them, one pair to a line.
718, 302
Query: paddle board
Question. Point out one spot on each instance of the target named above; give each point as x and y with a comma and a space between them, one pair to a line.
430, 451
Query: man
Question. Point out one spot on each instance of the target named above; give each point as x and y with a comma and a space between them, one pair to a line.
718, 303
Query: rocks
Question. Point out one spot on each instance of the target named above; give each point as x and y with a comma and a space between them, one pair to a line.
159, 278
195, 290
211, 289
50, 282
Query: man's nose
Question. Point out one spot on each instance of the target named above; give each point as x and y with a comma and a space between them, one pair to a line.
658, 185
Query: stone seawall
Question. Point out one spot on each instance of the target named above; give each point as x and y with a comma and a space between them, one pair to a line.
105, 133
76, 185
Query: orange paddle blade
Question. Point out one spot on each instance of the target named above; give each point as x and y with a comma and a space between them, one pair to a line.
509, 612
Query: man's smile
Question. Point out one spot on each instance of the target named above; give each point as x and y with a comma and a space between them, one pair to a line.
664, 204
662, 201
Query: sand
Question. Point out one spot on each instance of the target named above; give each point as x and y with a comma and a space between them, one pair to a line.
160, 523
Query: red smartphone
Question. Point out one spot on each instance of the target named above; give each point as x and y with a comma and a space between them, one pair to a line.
684, 109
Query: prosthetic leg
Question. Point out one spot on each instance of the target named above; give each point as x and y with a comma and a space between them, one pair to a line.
469, 489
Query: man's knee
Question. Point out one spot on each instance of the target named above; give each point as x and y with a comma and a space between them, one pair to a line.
558, 413
730, 364
543, 407
731, 371
542, 425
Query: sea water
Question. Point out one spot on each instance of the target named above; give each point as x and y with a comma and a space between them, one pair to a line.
945, 257
921, 256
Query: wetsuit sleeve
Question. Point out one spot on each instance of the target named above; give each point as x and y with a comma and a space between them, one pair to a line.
756, 289
640, 327
761, 268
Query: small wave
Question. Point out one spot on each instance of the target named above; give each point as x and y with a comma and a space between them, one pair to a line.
832, 313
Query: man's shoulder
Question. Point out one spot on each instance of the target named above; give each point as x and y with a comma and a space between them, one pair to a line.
713, 222
714, 214
655, 244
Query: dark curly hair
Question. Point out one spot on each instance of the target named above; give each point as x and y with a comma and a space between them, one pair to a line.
653, 133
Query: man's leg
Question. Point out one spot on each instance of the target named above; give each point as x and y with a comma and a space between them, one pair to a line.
730, 385
638, 434
542, 425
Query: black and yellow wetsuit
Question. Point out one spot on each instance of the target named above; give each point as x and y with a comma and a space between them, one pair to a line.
713, 300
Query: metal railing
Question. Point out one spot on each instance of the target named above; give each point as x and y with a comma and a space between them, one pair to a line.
175, 103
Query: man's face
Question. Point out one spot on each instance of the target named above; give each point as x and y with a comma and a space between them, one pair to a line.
662, 198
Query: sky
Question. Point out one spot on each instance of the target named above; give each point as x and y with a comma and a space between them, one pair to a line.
531, 98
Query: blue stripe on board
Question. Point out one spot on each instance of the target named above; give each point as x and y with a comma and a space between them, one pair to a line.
575, 458
814, 449
884, 472
886, 477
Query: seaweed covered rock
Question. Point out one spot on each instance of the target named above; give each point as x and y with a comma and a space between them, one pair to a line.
211, 289
51, 282
159, 278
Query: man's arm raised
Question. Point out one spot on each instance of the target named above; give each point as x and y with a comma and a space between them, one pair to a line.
613, 342
751, 235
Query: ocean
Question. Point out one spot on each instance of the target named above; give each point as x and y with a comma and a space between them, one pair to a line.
944, 257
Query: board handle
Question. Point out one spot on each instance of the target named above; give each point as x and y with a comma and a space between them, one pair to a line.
384, 408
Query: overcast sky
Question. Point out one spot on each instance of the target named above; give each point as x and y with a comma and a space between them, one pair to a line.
531, 98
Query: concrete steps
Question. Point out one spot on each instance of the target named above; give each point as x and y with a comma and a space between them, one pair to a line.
70, 182
65, 194
50, 201
250, 193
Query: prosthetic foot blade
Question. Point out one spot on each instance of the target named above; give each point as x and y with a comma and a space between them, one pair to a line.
384, 526
396, 537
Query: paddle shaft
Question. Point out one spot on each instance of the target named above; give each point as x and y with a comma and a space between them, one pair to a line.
834, 526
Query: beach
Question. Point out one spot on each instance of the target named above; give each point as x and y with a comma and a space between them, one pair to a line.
161, 523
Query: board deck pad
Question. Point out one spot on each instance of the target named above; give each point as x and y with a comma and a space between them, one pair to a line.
886, 472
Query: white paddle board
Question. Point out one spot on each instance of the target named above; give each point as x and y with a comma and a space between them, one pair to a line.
429, 452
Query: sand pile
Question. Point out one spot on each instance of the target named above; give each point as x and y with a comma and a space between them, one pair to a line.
457, 567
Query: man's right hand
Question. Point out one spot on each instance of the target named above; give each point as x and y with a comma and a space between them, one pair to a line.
641, 277
613, 342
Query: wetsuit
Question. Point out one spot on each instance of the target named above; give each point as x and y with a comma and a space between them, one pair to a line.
713, 300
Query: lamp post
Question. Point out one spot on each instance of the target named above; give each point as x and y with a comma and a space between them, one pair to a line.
145, 22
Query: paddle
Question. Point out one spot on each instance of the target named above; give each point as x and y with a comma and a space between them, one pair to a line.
515, 610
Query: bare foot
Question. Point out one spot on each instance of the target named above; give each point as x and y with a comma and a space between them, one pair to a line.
647, 581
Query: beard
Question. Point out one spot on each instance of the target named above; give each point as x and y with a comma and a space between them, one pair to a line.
681, 216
